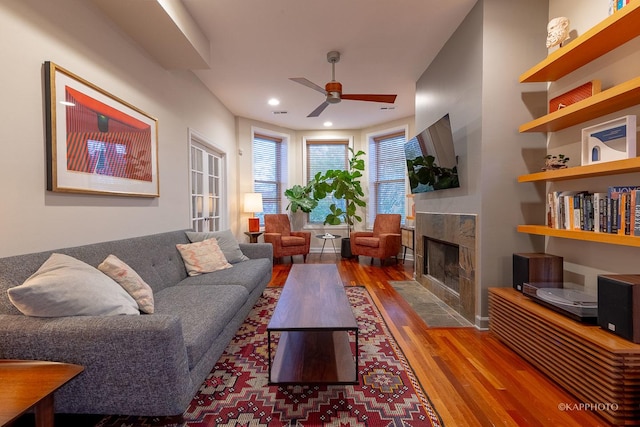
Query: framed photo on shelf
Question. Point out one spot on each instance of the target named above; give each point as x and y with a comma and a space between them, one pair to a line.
97, 143
608, 141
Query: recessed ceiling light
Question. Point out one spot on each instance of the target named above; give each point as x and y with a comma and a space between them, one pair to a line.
274, 101
328, 124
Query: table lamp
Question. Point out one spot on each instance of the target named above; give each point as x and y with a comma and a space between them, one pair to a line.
253, 204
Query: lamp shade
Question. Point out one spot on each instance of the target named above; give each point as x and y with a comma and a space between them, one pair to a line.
253, 202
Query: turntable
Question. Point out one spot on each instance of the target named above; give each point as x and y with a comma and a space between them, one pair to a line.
565, 299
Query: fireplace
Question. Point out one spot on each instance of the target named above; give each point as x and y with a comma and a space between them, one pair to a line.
441, 262
445, 259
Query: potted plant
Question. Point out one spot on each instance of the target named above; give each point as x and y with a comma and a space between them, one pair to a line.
301, 197
555, 162
345, 185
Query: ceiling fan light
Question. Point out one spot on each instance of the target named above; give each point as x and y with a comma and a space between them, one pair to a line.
333, 89
333, 97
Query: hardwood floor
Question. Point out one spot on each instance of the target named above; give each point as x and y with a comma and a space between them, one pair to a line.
471, 378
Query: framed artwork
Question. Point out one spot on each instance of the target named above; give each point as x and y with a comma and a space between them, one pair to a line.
96, 142
608, 141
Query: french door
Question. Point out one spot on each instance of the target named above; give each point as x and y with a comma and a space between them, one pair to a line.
207, 184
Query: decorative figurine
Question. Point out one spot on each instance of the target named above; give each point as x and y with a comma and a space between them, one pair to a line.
557, 31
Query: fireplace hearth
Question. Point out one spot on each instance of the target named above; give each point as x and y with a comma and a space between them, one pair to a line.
445, 258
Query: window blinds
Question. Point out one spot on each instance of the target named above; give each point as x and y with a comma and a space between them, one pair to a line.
269, 159
387, 171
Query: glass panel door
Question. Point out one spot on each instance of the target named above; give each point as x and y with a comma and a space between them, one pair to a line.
206, 189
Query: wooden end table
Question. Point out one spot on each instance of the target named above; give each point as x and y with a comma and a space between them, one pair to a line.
408, 239
26, 384
314, 319
253, 235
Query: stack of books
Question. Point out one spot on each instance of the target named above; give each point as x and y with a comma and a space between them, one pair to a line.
615, 5
617, 211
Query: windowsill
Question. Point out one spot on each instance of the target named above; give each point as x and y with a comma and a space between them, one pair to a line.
323, 227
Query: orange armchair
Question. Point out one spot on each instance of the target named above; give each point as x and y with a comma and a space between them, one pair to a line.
383, 242
277, 231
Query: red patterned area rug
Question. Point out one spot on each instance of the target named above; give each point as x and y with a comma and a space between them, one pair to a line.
236, 392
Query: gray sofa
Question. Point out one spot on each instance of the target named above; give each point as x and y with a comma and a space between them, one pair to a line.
151, 364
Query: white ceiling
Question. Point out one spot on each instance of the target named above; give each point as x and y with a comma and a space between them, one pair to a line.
257, 45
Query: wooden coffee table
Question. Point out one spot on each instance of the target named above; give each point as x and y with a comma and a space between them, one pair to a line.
314, 319
26, 384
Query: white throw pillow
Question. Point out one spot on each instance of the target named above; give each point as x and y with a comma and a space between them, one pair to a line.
65, 286
226, 240
131, 281
202, 257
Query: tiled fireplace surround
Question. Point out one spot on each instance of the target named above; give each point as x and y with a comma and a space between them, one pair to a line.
457, 229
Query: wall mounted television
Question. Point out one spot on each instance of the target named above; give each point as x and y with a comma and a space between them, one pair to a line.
431, 159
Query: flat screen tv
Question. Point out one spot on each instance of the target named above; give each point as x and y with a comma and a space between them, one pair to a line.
431, 159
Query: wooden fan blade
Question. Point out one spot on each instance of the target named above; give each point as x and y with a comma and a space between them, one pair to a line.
373, 98
320, 109
308, 83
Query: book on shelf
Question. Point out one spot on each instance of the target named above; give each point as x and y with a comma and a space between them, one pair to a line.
636, 214
600, 212
562, 209
582, 211
615, 5
616, 211
620, 203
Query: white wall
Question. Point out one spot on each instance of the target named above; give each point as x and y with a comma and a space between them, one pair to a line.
74, 35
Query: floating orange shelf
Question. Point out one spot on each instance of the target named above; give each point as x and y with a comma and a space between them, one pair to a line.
590, 236
608, 101
587, 171
612, 32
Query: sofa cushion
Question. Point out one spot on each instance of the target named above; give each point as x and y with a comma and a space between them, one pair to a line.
204, 311
249, 274
131, 281
65, 286
202, 257
372, 242
292, 241
226, 240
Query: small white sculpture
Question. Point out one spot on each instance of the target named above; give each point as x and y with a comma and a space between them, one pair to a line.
557, 31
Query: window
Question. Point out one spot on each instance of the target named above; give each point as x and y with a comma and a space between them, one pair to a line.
207, 185
387, 171
322, 155
269, 159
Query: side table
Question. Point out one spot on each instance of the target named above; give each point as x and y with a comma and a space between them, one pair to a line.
408, 237
326, 237
253, 235
30, 384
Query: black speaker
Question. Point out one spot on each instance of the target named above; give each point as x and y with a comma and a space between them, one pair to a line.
619, 305
536, 268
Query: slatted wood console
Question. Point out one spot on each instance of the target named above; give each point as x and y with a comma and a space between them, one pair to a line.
597, 367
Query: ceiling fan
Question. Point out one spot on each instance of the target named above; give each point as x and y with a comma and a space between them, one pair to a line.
333, 89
